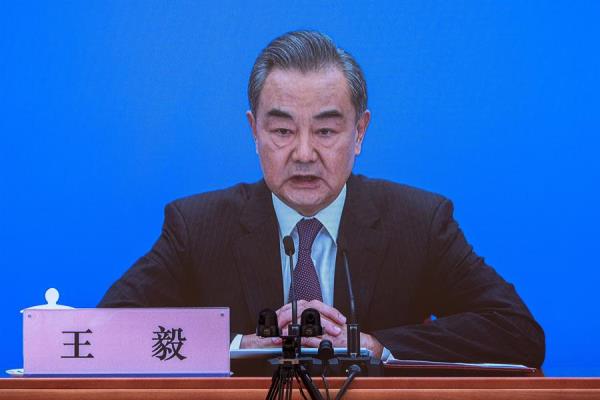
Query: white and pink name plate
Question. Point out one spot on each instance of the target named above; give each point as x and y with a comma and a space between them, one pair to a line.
98, 341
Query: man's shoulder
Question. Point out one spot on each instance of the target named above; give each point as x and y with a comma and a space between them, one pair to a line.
230, 200
400, 206
386, 192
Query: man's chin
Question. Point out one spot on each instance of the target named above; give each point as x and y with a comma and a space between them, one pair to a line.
305, 205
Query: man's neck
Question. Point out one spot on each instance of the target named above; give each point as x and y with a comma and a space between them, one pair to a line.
329, 216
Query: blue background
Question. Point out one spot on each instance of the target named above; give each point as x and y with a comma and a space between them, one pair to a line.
111, 109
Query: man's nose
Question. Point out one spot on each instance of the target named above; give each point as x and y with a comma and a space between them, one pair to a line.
305, 149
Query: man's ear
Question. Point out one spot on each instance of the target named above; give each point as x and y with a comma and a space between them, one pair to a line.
252, 122
361, 130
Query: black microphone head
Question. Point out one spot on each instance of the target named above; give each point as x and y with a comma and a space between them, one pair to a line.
325, 352
288, 245
267, 324
310, 322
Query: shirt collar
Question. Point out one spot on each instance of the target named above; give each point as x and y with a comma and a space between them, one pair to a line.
330, 216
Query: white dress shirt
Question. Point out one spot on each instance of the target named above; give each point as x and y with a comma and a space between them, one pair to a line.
324, 247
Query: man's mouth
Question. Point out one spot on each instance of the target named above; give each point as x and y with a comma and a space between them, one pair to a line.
304, 179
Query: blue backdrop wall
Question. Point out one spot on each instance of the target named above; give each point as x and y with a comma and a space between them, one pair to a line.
111, 109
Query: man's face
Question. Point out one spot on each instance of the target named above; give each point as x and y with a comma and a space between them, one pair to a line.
307, 136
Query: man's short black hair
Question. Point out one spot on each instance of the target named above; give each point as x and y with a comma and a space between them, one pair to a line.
307, 51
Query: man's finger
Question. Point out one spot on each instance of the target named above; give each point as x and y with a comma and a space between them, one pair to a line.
284, 318
328, 311
288, 306
253, 341
311, 341
285, 312
330, 327
316, 341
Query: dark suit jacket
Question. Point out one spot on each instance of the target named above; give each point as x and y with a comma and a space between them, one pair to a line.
408, 260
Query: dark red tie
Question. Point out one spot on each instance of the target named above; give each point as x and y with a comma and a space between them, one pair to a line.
306, 281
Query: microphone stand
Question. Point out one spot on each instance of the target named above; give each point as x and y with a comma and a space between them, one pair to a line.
290, 366
353, 362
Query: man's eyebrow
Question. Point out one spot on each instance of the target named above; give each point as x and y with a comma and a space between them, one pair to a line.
329, 114
275, 112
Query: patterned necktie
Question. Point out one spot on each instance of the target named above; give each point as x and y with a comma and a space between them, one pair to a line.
306, 282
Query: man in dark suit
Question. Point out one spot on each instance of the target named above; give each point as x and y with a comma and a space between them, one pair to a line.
408, 258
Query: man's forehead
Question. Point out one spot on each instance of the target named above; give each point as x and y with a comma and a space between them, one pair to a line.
321, 90
326, 77
323, 114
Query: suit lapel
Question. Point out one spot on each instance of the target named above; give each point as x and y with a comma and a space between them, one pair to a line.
257, 253
365, 246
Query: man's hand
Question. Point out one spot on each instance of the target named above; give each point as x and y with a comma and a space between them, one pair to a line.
334, 329
331, 319
256, 342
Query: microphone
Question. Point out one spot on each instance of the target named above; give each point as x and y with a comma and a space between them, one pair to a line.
353, 330
267, 324
288, 247
325, 352
353, 361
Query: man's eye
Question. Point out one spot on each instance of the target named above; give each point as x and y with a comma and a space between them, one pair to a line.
325, 132
283, 132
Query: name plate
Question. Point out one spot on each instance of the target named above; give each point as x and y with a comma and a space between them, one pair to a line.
126, 341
